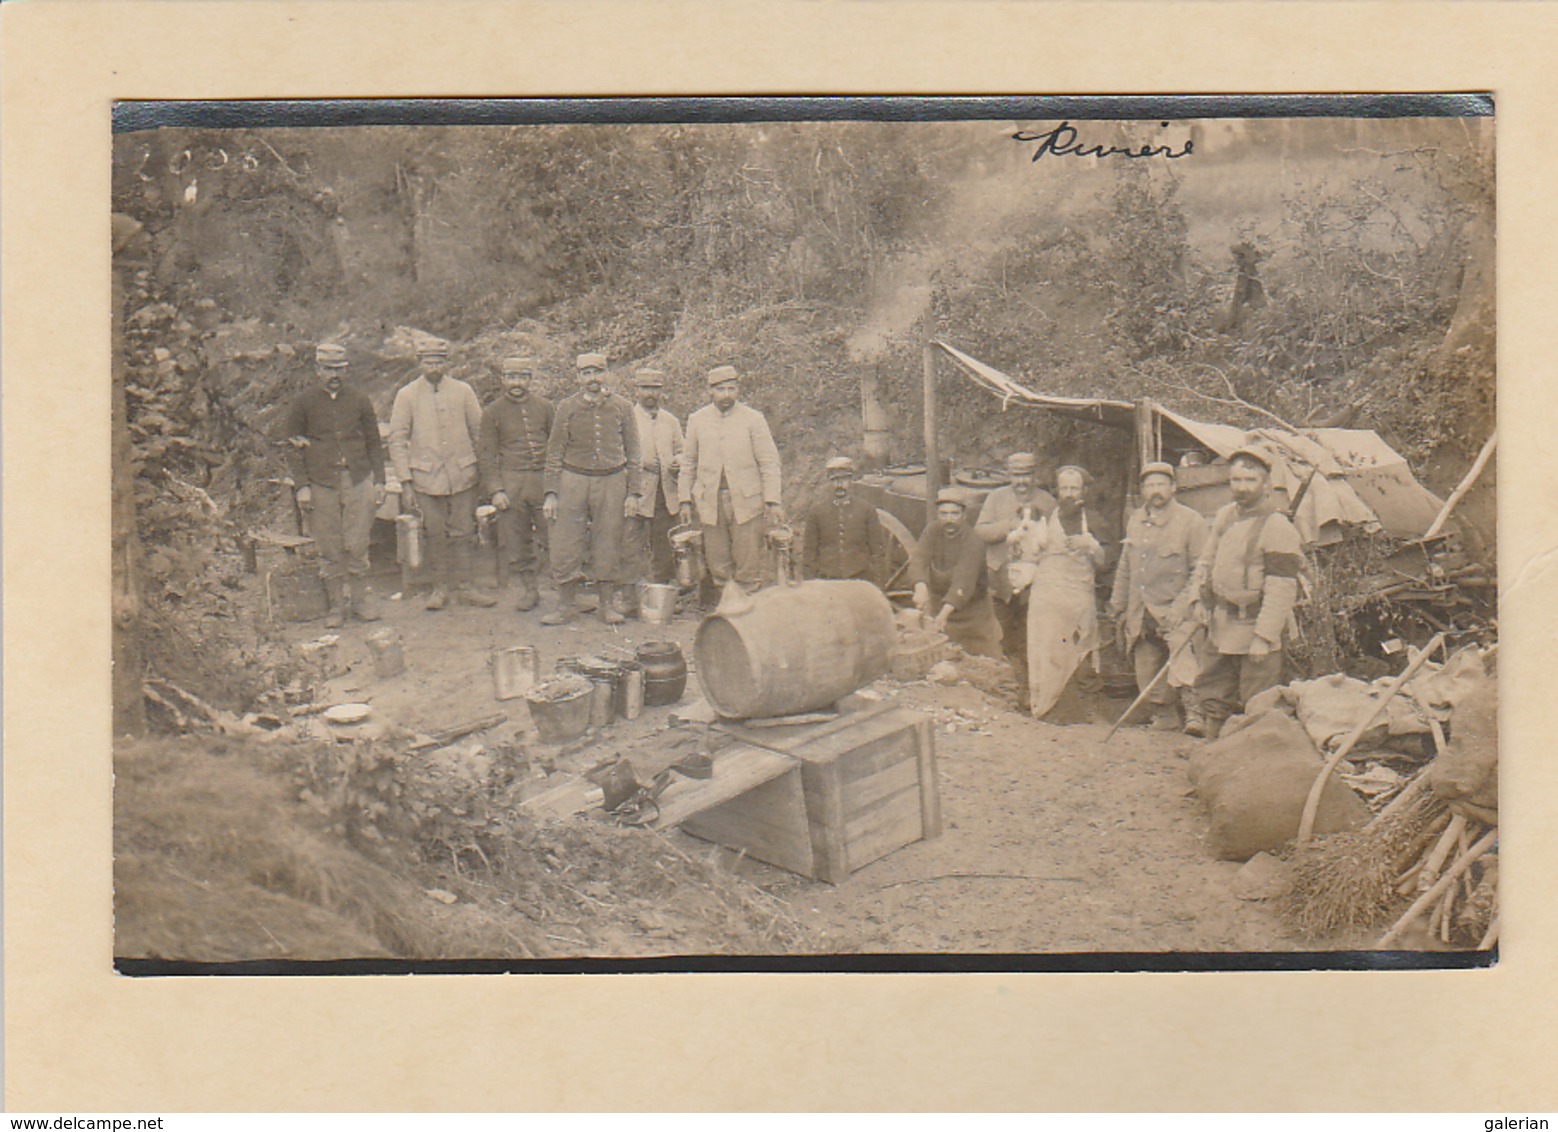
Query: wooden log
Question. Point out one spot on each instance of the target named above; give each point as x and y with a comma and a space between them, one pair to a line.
1440, 853
930, 788
1462, 488
1306, 823
1435, 893
932, 445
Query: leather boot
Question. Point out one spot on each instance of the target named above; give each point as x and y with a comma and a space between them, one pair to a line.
335, 595
357, 600
465, 595
1165, 717
529, 596
609, 613
563, 611
438, 598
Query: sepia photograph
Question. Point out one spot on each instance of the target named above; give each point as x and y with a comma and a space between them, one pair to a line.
1004, 534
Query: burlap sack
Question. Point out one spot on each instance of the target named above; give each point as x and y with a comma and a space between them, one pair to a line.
1468, 769
1255, 781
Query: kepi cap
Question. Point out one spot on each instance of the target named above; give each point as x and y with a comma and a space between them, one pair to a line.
590, 361
332, 355
952, 495
649, 379
1158, 468
519, 364
1255, 455
1022, 462
431, 347
839, 465
721, 374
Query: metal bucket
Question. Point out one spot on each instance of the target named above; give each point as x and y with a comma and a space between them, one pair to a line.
687, 549
656, 603
560, 708
389, 659
515, 670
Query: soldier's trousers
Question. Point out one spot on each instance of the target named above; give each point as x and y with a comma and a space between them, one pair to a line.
649, 543
449, 522
522, 533
1228, 681
340, 519
732, 549
586, 540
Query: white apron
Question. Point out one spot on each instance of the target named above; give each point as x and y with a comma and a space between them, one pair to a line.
1062, 612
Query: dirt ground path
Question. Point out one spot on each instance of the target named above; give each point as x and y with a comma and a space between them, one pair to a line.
1052, 842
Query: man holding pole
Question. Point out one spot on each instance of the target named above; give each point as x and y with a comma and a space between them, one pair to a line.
1152, 595
1247, 584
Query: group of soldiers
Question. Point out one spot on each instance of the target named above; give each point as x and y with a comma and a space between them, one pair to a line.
590, 488
1203, 609
594, 487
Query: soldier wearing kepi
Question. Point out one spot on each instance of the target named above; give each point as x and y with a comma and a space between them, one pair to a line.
432, 441
337, 459
592, 485
947, 570
844, 537
511, 452
660, 452
1247, 584
1164, 540
1007, 513
730, 470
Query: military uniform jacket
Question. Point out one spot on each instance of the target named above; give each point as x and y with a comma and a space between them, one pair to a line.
1248, 577
593, 438
659, 444
999, 516
432, 436
342, 434
735, 447
1156, 564
513, 441
844, 539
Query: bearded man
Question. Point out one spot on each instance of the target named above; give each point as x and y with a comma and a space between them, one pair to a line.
1152, 594
1246, 585
1065, 554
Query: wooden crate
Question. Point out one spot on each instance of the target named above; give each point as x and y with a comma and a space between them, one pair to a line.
861, 787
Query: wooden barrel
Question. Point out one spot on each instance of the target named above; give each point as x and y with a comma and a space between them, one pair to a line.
797, 648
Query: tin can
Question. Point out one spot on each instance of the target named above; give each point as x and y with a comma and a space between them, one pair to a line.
389, 659
515, 670
629, 703
408, 530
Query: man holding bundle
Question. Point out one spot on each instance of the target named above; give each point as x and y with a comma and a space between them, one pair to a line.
1007, 513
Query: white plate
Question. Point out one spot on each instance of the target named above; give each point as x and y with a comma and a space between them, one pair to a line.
347, 713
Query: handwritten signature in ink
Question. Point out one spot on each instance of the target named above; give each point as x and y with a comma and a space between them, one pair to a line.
1064, 141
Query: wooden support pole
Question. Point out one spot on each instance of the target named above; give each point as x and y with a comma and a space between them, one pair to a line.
1462, 488
932, 449
1306, 823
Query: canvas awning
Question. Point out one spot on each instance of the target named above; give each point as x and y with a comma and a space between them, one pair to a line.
1358, 479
